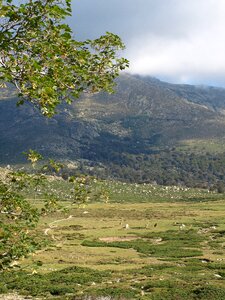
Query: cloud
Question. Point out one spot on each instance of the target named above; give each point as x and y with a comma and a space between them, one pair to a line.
198, 55
180, 41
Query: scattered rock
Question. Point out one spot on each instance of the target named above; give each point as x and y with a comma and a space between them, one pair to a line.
127, 226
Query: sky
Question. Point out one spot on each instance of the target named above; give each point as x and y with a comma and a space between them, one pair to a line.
179, 41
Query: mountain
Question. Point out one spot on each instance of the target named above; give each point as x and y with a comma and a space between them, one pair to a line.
144, 118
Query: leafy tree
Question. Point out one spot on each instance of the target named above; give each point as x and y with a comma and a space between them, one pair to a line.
39, 55
18, 217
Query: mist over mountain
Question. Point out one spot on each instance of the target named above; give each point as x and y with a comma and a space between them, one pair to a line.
144, 117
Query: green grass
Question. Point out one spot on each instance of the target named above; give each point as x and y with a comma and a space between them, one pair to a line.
171, 245
203, 146
144, 193
174, 247
54, 283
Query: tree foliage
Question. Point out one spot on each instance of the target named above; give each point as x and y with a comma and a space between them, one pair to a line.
39, 55
20, 216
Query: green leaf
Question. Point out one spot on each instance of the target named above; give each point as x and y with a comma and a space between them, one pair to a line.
43, 60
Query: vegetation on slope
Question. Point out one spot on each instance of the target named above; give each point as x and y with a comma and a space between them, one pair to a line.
147, 131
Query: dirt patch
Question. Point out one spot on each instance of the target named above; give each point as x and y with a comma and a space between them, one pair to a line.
119, 239
112, 239
157, 241
16, 297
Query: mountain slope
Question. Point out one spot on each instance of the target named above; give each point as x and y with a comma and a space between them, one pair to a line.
151, 109
144, 116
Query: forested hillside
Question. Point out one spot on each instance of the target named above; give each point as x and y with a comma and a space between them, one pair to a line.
146, 131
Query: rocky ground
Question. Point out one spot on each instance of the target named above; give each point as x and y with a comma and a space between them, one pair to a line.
16, 297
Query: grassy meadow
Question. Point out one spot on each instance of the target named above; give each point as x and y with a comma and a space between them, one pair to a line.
200, 146
145, 242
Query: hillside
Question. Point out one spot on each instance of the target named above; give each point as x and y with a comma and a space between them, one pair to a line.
144, 125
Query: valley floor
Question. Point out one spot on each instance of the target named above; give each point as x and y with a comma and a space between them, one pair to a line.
150, 250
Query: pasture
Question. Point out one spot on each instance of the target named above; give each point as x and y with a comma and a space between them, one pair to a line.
143, 242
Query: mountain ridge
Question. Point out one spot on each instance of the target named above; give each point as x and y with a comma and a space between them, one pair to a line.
137, 100
144, 115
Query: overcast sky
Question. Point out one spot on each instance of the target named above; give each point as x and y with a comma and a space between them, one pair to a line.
180, 41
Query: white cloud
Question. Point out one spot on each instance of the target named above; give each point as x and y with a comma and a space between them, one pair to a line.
178, 40
197, 55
